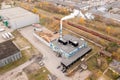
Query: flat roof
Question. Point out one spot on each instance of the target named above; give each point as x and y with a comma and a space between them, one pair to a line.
16, 12
7, 49
68, 61
68, 48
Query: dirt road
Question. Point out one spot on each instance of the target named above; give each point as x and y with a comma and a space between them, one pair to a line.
12, 74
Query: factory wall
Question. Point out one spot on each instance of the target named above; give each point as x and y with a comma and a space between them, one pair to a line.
63, 53
10, 59
23, 21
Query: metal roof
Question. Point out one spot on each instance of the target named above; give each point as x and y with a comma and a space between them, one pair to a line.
68, 48
81, 53
7, 49
15, 12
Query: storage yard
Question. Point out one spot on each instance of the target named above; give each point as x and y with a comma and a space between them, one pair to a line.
59, 41
46, 34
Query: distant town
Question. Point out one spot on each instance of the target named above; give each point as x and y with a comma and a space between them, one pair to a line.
59, 39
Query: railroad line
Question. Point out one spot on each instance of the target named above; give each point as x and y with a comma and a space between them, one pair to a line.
108, 38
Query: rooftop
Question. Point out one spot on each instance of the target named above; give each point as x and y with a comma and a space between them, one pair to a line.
7, 49
46, 34
68, 48
80, 54
14, 13
106, 14
115, 65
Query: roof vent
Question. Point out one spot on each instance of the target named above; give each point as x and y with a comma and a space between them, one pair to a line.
74, 43
64, 42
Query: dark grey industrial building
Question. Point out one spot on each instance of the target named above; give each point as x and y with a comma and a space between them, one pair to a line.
8, 53
67, 62
70, 48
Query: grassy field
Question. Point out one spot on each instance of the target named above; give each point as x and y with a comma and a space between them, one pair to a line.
98, 64
112, 75
41, 74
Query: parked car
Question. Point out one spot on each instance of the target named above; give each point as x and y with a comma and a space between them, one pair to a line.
2, 29
58, 67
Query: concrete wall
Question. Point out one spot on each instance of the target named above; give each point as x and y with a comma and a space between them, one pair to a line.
10, 59
23, 21
41, 39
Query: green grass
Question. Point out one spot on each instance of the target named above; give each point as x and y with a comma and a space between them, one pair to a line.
13, 64
39, 75
92, 63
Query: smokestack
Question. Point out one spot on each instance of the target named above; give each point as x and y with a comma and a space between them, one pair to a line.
72, 15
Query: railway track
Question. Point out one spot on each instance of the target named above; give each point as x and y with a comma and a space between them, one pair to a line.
108, 38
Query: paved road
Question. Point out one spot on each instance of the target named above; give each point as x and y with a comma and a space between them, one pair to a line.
12, 73
51, 61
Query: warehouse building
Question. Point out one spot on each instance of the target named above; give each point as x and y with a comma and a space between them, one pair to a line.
8, 53
18, 17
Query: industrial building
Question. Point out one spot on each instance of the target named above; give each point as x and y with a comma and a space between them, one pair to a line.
45, 35
18, 17
71, 49
72, 45
8, 53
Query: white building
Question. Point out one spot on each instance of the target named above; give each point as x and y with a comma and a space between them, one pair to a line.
18, 17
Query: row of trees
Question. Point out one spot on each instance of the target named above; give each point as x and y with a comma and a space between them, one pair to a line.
102, 27
52, 8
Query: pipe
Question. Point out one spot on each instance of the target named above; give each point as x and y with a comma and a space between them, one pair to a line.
72, 15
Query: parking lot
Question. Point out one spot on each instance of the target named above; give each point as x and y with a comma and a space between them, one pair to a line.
6, 30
